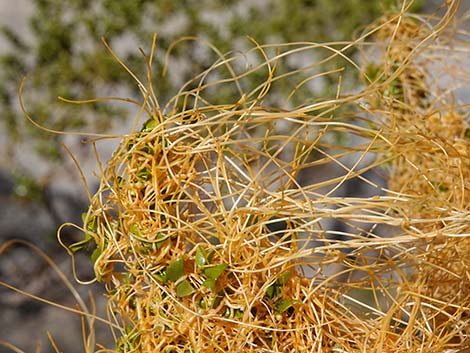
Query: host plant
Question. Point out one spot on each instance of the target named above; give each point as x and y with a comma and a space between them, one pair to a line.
185, 224
210, 228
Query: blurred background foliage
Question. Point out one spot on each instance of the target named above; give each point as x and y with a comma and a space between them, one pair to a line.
63, 56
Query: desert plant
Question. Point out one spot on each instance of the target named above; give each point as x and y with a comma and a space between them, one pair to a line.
185, 225
210, 229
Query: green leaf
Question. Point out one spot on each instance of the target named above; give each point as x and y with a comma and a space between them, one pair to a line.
129, 341
149, 125
210, 256
202, 304
209, 283
270, 292
163, 315
227, 312
144, 174
161, 276
215, 303
128, 278
175, 270
372, 71
443, 188
133, 303
92, 224
82, 244
201, 256
283, 304
163, 238
214, 272
148, 246
184, 288
95, 254
283, 278
130, 145
147, 149
237, 314
135, 230
273, 291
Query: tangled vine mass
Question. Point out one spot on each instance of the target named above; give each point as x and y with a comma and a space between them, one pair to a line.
222, 228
